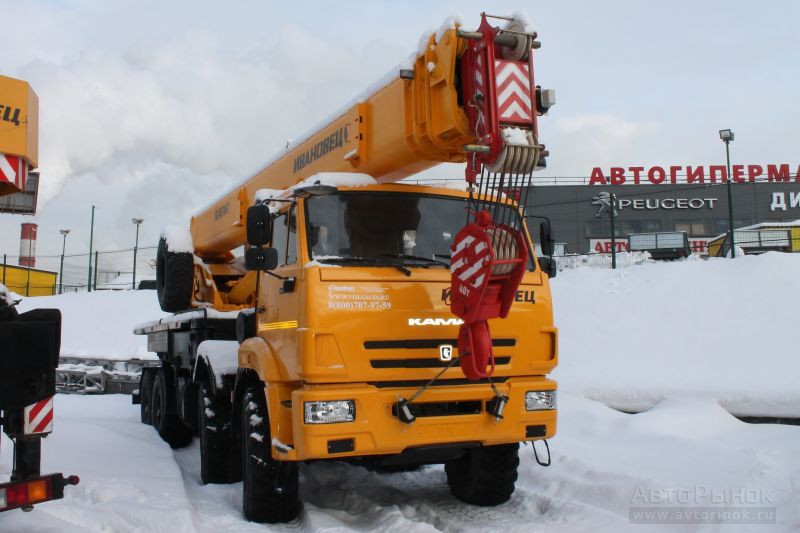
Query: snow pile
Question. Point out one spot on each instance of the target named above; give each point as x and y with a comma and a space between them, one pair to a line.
521, 17
222, 357
179, 239
719, 329
450, 23
99, 324
516, 136
600, 260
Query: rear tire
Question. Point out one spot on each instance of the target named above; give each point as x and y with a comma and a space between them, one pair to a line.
163, 413
146, 396
260, 502
214, 431
174, 278
484, 476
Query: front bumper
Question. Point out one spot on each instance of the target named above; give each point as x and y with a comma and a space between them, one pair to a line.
376, 431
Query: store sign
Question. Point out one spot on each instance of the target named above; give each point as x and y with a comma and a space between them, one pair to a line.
779, 201
670, 175
603, 246
697, 245
658, 203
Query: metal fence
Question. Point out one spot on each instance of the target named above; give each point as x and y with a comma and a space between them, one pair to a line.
109, 270
580, 220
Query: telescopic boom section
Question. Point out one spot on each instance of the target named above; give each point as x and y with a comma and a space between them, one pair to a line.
468, 97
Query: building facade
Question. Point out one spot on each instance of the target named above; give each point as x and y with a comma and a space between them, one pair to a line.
580, 220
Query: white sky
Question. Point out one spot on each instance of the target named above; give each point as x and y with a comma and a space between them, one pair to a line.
150, 109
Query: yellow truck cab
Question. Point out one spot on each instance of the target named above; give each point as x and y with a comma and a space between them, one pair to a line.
362, 316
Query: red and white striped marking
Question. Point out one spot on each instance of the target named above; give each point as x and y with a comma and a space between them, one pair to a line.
39, 417
14, 170
469, 261
479, 88
513, 85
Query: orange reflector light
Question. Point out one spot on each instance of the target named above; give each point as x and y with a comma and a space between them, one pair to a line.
37, 490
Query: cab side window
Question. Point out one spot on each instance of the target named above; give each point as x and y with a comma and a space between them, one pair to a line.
291, 248
279, 237
284, 237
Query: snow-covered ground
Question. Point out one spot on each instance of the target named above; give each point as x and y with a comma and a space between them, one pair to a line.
689, 341
606, 464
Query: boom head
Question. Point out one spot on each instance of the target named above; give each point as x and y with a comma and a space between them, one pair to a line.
501, 98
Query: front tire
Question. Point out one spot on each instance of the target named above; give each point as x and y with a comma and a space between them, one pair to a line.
163, 414
260, 502
484, 476
214, 431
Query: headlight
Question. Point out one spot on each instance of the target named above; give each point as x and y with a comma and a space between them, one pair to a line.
538, 400
330, 412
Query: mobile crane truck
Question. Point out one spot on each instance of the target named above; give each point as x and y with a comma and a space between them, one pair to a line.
29, 342
338, 333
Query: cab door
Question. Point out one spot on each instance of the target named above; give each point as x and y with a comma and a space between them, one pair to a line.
281, 297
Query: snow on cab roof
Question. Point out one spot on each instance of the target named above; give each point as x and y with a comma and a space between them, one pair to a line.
348, 179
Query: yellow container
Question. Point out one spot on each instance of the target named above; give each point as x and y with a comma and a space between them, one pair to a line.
28, 281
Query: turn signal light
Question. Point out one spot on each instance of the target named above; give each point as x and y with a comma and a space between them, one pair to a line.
24, 493
31, 491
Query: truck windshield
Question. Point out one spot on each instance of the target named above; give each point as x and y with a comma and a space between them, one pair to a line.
376, 228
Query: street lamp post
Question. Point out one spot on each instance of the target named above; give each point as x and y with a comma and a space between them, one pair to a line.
136, 221
64, 233
91, 238
727, 137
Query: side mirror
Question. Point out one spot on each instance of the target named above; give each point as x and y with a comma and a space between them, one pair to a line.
548, 266
546, 238
259, 225
261, 259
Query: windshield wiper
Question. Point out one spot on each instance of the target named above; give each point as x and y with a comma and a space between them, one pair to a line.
368, 260
420, 258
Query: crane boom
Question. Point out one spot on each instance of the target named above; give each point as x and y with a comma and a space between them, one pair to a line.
414, 119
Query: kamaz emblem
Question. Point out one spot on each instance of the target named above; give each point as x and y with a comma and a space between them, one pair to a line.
445, 352
435, 321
